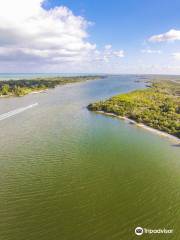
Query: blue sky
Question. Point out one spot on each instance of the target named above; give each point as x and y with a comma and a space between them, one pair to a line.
102, 36
124, 23
121, 21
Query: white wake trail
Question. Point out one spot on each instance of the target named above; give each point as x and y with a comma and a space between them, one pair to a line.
16, 111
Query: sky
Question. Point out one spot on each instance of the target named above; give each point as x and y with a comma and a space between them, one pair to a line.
90, 36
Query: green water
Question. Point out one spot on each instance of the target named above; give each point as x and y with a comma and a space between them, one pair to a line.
70, 174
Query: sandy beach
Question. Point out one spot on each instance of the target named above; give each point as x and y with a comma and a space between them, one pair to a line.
141, 125
40, 91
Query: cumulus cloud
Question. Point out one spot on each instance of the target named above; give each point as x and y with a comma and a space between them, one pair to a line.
108, 46
151, 51
36, 39
109, 53
119, 53
30, 33
171, 35
176, 55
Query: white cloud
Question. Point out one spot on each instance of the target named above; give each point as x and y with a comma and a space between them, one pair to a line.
171, 35
30, 33
106, 55
176, 55
35, 39
151, 51
119, 53
108, 46
110, 53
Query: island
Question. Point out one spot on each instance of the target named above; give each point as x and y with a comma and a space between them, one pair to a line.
25, 86
157, 106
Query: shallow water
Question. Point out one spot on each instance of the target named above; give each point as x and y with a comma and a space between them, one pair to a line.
70, 174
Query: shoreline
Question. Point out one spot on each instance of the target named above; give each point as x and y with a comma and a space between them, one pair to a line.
42, 90
141, 125
33, 92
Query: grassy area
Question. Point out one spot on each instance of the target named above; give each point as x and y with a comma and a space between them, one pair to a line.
23, 87
157, 106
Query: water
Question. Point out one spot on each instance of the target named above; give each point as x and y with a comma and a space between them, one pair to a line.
16, 111
17, 76
70, 174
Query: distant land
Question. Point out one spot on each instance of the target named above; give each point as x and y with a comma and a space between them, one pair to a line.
24, 86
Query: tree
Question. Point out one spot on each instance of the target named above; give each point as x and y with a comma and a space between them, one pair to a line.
5, 89
18, 91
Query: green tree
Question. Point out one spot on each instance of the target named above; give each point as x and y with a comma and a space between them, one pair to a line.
18, 91
5, 89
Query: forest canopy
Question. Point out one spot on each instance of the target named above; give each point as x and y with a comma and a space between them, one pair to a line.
25, 86
157, 106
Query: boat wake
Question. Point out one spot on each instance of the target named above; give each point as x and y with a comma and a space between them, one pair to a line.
16, 111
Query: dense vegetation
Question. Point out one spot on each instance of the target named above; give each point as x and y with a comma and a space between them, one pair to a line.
157, 106
23, 87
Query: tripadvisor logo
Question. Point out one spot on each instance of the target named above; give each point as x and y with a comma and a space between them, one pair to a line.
139, 231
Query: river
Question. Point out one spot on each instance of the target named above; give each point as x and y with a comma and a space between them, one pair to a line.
70, 174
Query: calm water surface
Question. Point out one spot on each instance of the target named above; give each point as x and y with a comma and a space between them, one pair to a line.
70, 174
